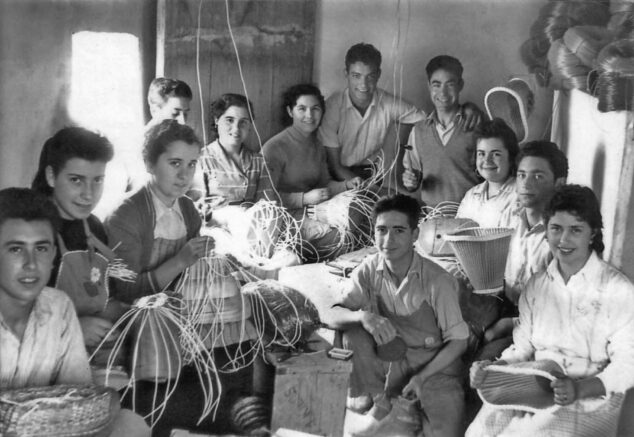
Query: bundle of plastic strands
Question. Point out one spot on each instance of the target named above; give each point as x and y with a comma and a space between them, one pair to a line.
554, 19
615, 63
347, 212
251, 416
350, 212
621, 22
281, 314
567, 69
585, 42
210, 289
261, 236
206, 282
161, 342
533, 53
271, 229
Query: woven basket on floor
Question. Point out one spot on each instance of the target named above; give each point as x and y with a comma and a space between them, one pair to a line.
482, 253
56, 411
520, 386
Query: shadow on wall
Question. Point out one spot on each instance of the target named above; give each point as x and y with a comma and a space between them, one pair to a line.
562, 137
598, 171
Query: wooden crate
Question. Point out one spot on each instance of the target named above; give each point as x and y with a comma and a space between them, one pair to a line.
310, 394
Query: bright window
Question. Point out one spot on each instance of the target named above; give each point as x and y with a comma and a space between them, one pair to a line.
106, 93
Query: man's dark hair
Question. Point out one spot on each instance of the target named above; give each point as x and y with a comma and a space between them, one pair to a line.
159, 136
365, 53
400, 203
444, 62
163, 88
29, 205
548, 151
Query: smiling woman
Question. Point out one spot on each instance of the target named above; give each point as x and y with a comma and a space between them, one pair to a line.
589, 304
71, 172
496, 149
299, 170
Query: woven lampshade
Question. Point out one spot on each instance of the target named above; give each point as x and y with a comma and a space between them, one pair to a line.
482, 253
432, 231
513, 103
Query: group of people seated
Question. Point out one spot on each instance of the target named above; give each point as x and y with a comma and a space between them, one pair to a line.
402, 313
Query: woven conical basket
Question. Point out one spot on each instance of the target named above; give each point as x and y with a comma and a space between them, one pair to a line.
482, 253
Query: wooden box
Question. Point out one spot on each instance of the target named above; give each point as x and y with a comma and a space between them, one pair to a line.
310, 394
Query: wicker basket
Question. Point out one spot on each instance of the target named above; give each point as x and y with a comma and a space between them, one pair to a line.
56, 411
431, 236
513, 103
520, 386
482, 253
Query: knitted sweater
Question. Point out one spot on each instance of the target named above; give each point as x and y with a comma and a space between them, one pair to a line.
130, 231
297, 164
449, 170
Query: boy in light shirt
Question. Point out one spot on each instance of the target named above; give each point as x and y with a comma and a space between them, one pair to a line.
40, 337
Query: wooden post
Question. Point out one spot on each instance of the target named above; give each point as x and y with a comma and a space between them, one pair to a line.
160, 38
624, 198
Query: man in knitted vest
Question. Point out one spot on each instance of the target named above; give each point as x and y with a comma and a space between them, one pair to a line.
448, 152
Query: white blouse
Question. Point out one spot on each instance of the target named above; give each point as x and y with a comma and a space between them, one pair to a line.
586, 325
484, 210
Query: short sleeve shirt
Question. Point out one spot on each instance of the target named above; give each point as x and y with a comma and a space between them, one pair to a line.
362, 137
425, 282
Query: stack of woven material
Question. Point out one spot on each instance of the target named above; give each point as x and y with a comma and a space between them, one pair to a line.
58, 410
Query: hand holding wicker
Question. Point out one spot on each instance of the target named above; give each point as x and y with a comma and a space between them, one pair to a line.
195, 249
564, 390
477, 373
316, 196
353, 183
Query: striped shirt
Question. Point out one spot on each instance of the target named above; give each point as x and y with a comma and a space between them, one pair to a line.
51, 350
230, 183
